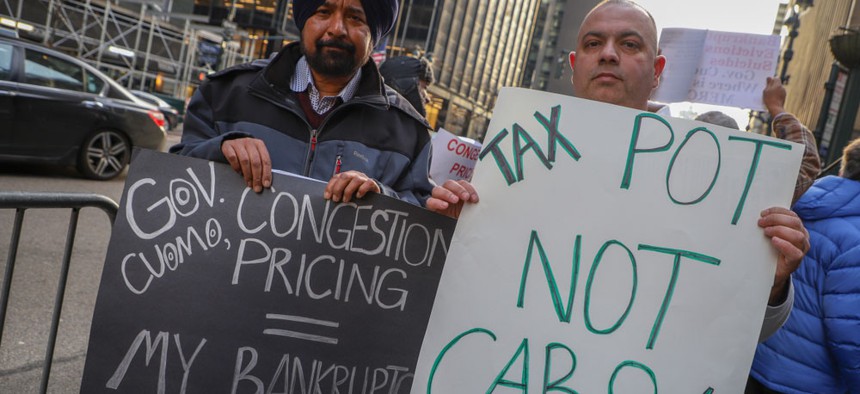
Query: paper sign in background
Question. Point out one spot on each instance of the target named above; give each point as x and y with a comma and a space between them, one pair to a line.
454, 157
515, 309
715, 67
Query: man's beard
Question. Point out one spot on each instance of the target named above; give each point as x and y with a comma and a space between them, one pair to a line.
339, 63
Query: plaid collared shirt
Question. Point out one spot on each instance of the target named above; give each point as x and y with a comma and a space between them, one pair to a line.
303, 80
787, 127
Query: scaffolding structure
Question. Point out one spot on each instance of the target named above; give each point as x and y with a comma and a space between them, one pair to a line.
137, 42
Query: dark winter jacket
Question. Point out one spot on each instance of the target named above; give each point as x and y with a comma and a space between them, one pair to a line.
376, 132
818, 348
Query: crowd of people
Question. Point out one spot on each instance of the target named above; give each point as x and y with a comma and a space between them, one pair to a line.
322, 108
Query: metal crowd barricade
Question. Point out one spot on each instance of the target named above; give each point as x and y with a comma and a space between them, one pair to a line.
21, 201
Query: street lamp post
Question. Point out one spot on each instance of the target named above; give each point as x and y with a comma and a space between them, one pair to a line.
792, 22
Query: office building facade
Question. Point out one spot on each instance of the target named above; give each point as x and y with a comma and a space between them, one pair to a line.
477, 47
817, 86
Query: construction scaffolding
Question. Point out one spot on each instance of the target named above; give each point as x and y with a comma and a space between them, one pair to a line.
137, 42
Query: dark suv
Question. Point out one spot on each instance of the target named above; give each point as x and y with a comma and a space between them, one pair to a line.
55, 108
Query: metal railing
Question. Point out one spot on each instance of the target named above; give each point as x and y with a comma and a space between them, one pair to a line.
21, 201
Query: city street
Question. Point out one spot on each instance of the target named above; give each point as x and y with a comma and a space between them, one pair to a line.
669, 196
36, 276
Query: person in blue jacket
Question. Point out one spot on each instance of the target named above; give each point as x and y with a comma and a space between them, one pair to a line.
318, 108
818, 348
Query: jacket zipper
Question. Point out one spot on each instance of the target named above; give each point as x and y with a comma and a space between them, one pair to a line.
316, 132
310, 160
337, 164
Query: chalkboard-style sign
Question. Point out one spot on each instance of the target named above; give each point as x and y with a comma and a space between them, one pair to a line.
209, 287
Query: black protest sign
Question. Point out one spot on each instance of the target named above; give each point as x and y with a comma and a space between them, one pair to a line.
209, 287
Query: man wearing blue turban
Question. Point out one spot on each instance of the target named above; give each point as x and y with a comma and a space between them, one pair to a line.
318, 108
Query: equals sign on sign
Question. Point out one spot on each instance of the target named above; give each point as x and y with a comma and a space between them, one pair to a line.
301, 335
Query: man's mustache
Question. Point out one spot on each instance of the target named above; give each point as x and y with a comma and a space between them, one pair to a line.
344, 45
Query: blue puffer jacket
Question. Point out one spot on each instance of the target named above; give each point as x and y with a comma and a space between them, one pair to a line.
818, 348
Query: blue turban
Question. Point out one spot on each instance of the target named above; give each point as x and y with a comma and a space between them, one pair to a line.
381, 14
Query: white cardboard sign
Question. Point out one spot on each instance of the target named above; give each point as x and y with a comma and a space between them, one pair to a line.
612, 249
716, 67
454, 157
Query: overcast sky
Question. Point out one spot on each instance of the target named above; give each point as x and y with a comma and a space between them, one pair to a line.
744, 16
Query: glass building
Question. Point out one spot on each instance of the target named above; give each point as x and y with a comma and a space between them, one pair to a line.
477, 47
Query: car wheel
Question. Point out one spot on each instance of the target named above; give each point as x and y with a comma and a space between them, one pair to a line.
104, 155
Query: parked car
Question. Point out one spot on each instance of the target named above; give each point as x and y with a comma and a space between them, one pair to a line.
171, 115
57, 109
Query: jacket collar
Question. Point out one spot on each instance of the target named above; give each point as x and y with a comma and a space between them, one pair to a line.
277, 71
283, 65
